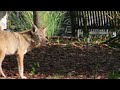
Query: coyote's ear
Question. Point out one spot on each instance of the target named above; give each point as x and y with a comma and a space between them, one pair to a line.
44, 29
34, 28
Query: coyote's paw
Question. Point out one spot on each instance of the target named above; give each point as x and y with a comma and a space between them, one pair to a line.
23, 77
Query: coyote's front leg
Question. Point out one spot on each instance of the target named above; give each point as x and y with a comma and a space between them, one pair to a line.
2, 56
20, 59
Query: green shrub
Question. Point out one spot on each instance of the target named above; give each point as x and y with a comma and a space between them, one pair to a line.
23, 20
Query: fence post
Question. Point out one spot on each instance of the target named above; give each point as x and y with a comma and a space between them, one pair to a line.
72, 23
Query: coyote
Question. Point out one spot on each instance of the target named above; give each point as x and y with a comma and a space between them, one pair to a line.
19, 43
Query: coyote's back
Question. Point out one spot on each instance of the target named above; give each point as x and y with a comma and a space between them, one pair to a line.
9, 42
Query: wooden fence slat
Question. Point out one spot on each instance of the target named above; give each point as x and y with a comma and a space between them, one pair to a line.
92, 21
102, 18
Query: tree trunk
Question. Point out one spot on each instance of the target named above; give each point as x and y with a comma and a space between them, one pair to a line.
72, 23
36, 18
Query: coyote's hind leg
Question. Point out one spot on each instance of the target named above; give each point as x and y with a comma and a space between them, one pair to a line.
2, 56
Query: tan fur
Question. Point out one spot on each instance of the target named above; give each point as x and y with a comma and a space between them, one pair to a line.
19, 43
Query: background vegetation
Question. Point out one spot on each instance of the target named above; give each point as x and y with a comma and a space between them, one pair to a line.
21, 20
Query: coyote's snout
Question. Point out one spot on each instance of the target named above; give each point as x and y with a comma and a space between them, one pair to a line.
19, 43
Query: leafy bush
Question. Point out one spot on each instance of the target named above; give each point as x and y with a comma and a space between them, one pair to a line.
23, 20
114, 75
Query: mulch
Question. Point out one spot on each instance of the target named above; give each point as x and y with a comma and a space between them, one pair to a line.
63, 61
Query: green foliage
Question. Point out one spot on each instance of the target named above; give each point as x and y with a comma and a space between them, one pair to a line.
34, 68
20, 21
69, 44
52, 19
23, 20
114, 75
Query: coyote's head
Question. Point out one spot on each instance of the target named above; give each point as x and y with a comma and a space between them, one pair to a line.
39, 36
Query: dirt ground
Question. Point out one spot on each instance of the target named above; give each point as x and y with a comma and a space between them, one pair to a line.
63, 61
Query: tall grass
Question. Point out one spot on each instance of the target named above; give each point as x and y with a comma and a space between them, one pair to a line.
52, 19
23, 20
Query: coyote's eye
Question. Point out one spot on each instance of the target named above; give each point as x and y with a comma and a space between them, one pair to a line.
46, 37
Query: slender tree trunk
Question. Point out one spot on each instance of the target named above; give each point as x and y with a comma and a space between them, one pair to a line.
72, 23
36, 18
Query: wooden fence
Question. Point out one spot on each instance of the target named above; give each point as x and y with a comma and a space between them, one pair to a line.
93, 20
